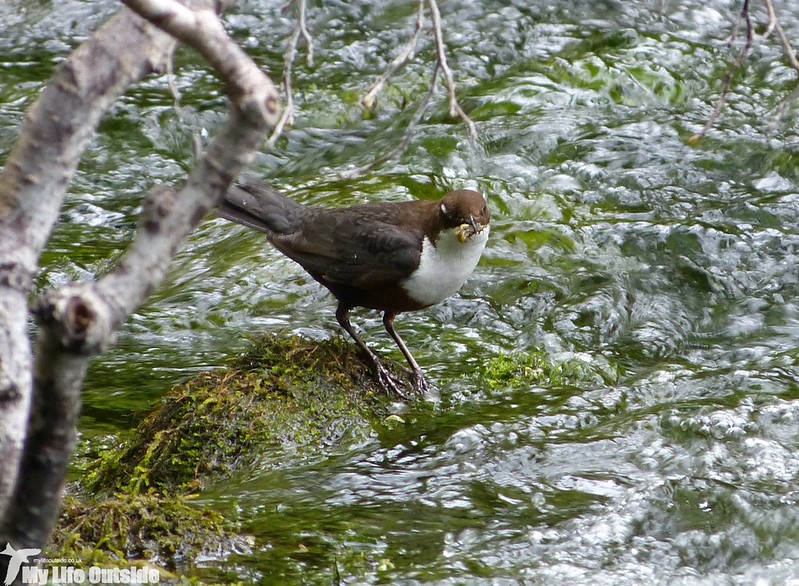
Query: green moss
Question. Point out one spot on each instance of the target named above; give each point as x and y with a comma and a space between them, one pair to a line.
536, 367
284, 398
281, 392
142, 527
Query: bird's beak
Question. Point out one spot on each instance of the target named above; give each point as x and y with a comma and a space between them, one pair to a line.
469, 229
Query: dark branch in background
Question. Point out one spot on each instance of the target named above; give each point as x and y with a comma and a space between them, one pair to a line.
441, 50
726, 83
405, 55
79, 321
408, 52
397, 151
300, 30
790, 55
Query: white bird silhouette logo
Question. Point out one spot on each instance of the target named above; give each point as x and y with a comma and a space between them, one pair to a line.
17, 557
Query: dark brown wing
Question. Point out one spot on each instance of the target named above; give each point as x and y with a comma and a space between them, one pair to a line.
359, 250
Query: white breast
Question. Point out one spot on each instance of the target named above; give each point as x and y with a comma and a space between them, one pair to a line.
444, 267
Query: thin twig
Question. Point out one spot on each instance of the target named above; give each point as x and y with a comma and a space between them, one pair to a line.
405, 55
397, 151
790, 54
734, 35
785, 106
196, 139
772, 18
727, 81
441, 52
300, 30
774, 24
170, 81
305, 34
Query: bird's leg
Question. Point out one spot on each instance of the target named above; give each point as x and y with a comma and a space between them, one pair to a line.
419, 382
384, 377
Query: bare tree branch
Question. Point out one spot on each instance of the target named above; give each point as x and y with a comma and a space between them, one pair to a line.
301, 29
787, 48
304, 30
56, 130
81, 320
202, 30
790, 55
727, 81
441, 50
406, 139
774, 25
405, 55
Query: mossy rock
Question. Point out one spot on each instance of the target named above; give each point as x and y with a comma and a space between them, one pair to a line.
165, 531
284, 397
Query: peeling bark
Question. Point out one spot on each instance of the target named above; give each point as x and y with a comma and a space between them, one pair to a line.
80, 321
33, 184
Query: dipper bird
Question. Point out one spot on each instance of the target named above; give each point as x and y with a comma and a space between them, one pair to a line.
392, 257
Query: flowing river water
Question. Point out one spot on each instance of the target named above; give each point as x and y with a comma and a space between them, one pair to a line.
667, 273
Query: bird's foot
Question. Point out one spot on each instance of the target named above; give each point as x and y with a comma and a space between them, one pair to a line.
394, 385
419, 382
388, 381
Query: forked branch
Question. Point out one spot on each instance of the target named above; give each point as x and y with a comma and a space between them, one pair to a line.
790, 56
289, 57
81, 320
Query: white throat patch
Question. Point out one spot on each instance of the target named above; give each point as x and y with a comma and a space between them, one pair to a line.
445, 266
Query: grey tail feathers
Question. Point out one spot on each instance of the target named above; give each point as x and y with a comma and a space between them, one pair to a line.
261, 207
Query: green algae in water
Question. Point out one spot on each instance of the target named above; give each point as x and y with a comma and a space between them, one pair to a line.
538, 368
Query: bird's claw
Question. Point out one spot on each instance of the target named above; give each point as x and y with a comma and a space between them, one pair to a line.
396, 386
388, 381
419, 382
392, 384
